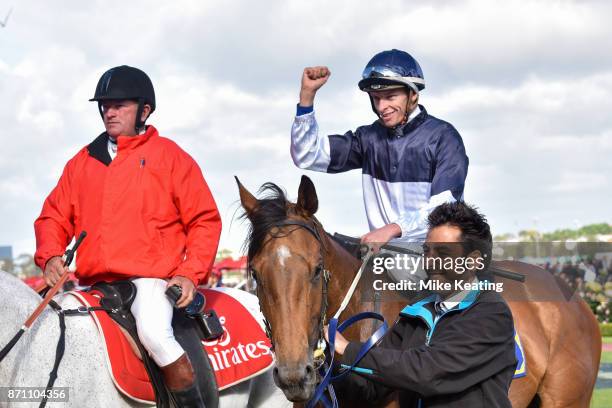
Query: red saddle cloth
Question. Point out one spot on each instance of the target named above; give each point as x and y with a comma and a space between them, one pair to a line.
241, 353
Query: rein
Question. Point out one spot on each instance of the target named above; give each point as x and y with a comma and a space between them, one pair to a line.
327, 376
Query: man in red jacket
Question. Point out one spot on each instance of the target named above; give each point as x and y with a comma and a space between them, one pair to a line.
149, 216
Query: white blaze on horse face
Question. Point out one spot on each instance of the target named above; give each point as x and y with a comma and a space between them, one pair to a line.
283, 253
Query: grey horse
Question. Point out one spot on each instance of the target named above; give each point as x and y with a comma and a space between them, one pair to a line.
83, 367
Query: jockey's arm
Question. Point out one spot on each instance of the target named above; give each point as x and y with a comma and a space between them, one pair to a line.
200, 218
313, 151
382, 235
359, 387
54, 227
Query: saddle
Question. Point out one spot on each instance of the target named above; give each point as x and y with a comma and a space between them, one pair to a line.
350, 245
133, 370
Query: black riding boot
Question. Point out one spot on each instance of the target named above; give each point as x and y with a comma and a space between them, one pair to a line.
182, 384
189, 397
187, 335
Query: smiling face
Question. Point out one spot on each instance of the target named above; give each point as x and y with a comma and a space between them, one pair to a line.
394, 105
443, 248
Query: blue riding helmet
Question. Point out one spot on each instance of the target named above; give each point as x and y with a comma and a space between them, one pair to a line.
391, 69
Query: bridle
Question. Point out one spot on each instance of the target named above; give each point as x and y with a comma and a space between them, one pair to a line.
323, 368
319, 354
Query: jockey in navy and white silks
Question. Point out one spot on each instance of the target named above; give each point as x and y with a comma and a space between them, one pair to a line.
411, 161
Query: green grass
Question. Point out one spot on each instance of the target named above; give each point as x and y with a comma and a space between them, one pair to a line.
602, 398
606, 356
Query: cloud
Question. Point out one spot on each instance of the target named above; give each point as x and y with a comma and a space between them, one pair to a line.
533, 144
583, 182
526, 84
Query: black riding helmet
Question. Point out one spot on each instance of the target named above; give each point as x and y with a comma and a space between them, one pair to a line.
126, 82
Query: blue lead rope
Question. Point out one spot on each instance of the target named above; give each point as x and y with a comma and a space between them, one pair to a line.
326, 369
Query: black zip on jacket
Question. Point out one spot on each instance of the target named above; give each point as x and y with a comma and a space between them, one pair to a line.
465, 358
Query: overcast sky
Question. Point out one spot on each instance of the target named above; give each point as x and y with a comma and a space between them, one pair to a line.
528, 84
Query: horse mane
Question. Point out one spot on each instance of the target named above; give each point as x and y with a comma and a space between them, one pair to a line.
272, 209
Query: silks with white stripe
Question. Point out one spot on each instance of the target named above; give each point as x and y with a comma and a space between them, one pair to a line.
403, 168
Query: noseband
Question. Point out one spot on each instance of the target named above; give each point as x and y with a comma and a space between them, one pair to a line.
319, 352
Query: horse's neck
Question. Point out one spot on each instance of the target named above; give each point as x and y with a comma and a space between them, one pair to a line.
343, 268
32, 357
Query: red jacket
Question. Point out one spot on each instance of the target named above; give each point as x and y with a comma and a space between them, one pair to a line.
147, 213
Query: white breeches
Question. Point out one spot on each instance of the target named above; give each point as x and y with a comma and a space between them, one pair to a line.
153, 313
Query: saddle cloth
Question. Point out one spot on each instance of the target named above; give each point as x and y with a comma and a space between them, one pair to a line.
521, 367
242, 352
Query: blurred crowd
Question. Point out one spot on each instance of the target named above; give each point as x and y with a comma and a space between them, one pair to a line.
592, 279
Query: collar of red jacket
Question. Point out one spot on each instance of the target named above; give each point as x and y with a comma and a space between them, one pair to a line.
126, 143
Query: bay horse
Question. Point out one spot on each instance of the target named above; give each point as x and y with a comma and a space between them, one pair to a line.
83, 368
289, 252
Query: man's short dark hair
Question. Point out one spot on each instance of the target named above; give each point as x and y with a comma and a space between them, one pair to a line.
475, 231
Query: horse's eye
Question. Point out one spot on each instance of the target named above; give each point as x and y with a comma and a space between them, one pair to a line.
253, 274
318, 271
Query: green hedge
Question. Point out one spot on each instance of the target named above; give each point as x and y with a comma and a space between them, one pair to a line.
606, 329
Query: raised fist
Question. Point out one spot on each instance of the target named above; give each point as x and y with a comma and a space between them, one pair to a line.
313, 78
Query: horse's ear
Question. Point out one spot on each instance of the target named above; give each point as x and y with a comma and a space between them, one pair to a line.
307, 196
248, 200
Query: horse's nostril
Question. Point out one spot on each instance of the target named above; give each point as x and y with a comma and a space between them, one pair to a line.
309, 370
296, 375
